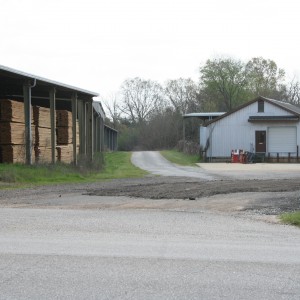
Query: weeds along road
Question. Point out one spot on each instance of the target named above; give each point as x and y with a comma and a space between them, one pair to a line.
109, 240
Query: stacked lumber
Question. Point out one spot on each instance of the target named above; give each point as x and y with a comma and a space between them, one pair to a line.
42, 137
12, 154
41, 117
12, 131
11, 111
63, 118
64, 136
42, 154
65, 153
42, 146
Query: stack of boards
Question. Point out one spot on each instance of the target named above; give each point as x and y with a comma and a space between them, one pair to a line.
64, 136
12, 133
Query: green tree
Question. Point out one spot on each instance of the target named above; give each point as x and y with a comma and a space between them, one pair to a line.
224, 80
264, 78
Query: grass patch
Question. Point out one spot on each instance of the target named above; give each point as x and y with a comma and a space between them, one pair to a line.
116, 165
291, 218
180, 158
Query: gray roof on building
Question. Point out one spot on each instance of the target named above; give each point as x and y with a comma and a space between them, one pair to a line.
6, 71
295, 110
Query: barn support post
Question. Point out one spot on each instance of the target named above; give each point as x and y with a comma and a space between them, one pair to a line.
52, 94
97, 134
74, 129
27, 113
183, 135
82, 127
102, 135
89, 130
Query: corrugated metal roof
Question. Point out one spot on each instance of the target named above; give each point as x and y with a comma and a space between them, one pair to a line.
17, 73
285, 105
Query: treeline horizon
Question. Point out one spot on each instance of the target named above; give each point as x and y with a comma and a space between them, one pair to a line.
148, 115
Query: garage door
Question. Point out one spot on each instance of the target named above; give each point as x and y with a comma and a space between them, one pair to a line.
282, 139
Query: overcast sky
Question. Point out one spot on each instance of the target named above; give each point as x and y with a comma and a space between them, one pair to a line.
97, 44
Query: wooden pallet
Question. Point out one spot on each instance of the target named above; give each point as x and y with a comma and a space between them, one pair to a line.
12, 154
13, 133
41, 116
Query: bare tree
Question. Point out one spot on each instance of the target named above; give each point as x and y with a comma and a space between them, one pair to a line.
182, 94
293, 92
140, 98
113, 108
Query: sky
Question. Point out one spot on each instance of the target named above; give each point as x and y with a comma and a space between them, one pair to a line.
97, 44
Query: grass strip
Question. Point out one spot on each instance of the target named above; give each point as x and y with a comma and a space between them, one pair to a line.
180, 158
291, 218
116, 165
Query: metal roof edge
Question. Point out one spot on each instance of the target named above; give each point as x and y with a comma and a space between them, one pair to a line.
49, 81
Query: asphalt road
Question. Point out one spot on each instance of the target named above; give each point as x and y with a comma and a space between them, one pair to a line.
75, 246
145, 254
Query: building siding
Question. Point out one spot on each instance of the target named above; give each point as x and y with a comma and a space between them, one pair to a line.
235, 132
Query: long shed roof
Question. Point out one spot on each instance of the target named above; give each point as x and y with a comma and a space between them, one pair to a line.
12, 73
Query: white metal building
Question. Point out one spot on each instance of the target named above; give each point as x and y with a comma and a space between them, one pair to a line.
263, 126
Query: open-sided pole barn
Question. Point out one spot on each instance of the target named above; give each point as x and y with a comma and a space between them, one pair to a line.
82, 112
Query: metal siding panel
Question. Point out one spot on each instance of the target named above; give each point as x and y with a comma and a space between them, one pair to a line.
235, 132
203, 137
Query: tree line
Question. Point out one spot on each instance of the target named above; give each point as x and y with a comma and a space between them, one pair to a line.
148, 115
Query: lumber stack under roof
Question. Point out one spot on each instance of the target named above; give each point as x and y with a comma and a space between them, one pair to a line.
63, 118
12, 134
41, 117
42, 122
64, 136
11, 111
12, 131
12, 153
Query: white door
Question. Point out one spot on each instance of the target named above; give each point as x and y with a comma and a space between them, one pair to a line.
282, 139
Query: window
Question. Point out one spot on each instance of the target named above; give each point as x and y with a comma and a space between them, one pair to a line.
261, 106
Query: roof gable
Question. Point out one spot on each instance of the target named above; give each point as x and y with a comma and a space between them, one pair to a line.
283, 105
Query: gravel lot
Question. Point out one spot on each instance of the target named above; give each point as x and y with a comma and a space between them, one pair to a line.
268, 189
